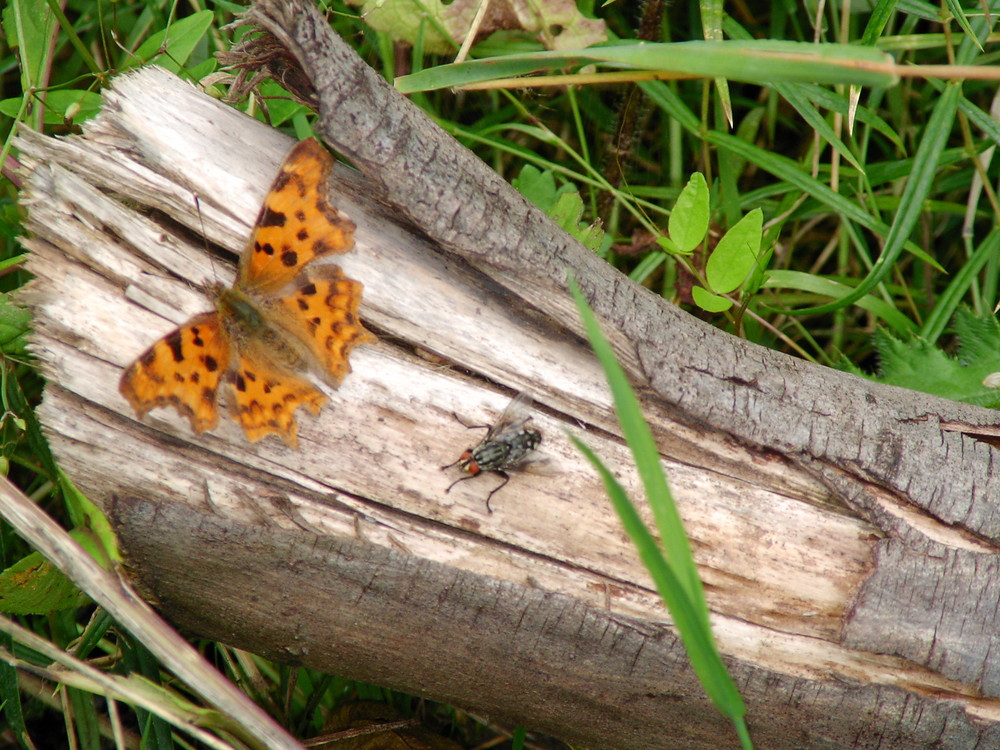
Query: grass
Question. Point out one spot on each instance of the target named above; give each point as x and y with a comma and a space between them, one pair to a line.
877, 206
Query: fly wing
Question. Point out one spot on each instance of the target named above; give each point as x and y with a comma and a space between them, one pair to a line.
538, 462
517, 413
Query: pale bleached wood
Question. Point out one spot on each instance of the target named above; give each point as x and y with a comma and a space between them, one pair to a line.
782, 558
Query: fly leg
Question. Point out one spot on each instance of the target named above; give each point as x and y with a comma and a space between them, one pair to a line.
470, 426
506, 478
460, 479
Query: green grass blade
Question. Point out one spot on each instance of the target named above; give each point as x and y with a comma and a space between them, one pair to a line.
917, 189
671, 565
693, 628
957, 288
761, 61
10, 696
647, 459
806, 282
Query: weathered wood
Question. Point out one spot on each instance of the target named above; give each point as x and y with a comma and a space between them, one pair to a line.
920, 448
799, 593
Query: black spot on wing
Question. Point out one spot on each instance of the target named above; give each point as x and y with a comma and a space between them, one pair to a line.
270, 218
281, 181
176, 347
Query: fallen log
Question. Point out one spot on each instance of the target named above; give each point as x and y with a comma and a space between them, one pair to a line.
845, 531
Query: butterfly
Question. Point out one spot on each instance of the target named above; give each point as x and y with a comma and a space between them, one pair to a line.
509, 444
277, 324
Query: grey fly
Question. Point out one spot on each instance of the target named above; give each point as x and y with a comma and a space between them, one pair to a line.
509, 444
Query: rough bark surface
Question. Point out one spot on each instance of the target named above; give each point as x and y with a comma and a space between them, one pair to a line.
845, 531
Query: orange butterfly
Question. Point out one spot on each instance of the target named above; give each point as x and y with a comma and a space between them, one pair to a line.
273, 325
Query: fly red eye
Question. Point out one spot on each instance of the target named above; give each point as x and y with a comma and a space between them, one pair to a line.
472, 467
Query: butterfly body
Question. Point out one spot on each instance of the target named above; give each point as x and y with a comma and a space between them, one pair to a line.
277, 323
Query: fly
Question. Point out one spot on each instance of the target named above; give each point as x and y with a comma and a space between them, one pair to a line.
509, 444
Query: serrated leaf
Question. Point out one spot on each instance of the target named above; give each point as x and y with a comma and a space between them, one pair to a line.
442, 25
537, 186
567, 211
592, 236
735, 255
918, 365
709, 302
15, 322
688, 222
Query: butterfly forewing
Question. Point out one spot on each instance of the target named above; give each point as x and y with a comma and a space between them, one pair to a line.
297, 223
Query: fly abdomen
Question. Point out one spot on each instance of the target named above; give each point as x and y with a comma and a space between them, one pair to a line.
491, 456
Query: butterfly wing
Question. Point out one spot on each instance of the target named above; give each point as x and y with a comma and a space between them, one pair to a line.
266, 397
296, 224
323, 313
182, 370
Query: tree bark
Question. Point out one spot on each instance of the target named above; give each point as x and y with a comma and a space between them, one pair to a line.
846, 531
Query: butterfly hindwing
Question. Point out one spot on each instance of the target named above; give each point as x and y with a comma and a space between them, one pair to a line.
325, 309
183, 370
297, 223
266, 398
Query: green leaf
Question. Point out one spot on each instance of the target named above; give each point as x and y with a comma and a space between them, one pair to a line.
688, 222
734, 257
33, 585
29, 26
441, 25
85, 514
567, 211
917, 364
62, 106
171, 47
15, 325
709, 302
562, 203
537, 186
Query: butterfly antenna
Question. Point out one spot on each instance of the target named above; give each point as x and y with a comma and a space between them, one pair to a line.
204, 238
